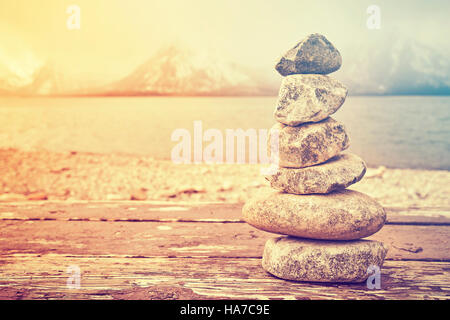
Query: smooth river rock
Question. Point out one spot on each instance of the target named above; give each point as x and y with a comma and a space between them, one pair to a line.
308, 144
323, 261
337, 173
308, 98
314, 54
340, 215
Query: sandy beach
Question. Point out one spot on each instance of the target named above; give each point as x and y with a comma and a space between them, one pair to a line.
43, 175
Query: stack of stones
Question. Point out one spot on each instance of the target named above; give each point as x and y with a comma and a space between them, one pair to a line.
322, 221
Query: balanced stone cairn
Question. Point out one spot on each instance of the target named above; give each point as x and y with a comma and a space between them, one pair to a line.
323, 222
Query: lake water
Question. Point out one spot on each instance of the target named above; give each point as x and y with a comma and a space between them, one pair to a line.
404, 132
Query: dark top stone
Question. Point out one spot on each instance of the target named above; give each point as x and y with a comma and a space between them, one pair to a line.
315, 54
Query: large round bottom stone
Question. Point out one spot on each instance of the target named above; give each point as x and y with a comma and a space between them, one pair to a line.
340, 215
297, 259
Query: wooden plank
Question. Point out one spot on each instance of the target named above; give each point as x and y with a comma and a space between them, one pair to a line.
173, 211
122, 211
418, 215
212, 254
193, 239
33, 276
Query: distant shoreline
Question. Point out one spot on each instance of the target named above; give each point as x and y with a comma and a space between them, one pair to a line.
150, 95
168, 160
397, 132
89, 176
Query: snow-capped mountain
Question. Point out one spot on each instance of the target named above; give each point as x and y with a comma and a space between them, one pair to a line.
43, 80
50, 80
180, 71
396, 66
17, 72
392, 65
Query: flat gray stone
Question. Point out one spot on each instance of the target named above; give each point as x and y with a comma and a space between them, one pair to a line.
314, 54
337, 173
308, 98
322, 261
340, 215
310, 143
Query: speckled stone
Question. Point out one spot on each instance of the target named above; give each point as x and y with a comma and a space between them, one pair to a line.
314, 54
322, 261
308, 98
309, 144
340, 215
337, 173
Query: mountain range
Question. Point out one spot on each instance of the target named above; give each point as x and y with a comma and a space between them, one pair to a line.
182, 72
399, 67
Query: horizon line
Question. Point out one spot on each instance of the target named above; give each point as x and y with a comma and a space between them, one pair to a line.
206, 95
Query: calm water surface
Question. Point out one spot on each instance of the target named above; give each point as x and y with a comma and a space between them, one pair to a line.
407, 132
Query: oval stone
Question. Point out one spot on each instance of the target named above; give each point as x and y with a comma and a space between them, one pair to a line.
340, 215
337, 173
308, 144
323, 261
314, 54
308, 98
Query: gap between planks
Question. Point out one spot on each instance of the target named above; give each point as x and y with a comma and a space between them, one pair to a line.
175, 212
173, 220
70, 256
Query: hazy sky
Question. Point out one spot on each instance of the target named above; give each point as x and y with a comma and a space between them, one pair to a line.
118, 35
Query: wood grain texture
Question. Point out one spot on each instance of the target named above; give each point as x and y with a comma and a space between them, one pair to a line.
173, 211
149, 250
32, 276
193, 239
